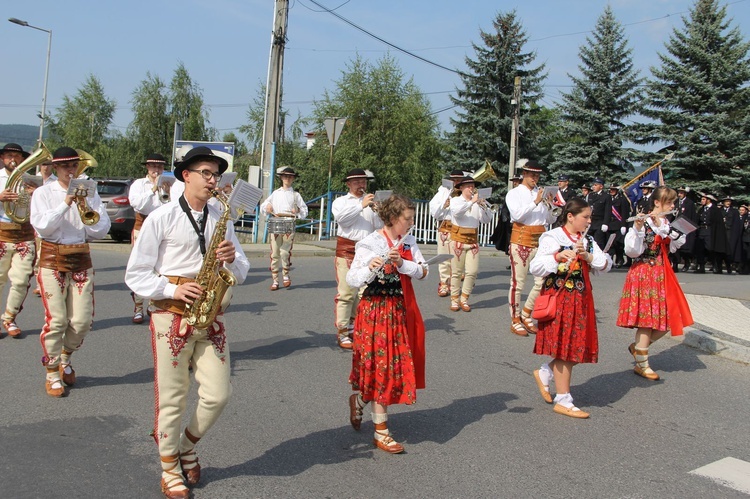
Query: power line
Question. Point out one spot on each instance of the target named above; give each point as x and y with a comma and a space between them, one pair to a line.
382, 40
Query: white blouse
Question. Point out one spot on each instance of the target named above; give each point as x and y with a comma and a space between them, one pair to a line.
550, 243
635, 243
376, 245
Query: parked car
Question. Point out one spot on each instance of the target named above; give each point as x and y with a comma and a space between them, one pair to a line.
114, 194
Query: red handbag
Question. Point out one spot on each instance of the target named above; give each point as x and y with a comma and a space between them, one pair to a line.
545, 306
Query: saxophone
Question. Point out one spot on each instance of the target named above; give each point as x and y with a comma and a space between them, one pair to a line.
213, 278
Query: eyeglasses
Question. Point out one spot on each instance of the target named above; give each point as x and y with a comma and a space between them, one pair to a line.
208, 174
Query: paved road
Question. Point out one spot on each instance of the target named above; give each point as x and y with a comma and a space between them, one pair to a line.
480, 428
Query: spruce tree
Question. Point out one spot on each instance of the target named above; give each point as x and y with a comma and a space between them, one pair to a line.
482, 129
595, 112
700, 102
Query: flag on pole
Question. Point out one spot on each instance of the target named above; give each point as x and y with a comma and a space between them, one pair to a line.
653, 172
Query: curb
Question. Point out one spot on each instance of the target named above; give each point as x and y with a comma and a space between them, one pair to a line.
716, 345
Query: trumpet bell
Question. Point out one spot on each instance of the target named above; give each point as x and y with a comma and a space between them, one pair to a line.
484, 173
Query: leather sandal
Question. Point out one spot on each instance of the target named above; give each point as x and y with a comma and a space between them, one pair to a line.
387, 443
13, 330
287, 281
646, 372
543, 389
355, 411
528, 324
173, 486
138, 318
444, 289
275, 286
455, 307
573, 412
55, 388
465, 306
345, 342
192, 475
516, 327
67, 378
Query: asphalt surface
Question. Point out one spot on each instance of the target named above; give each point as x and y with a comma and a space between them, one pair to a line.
479, 429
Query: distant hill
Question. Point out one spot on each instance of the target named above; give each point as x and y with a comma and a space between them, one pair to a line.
23, 135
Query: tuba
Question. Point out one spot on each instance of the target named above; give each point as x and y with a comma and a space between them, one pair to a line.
18, 210
213, 278
88, 216
484, 173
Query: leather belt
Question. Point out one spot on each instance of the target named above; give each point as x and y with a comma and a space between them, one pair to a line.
526, 235
345, 248
169, 304
139, 219
65, 257
16, 233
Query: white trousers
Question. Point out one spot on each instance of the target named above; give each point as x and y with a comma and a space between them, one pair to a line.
16, 265
465, 261
520, 258
281, 253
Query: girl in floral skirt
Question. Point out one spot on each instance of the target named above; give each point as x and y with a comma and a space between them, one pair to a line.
565, 257
652, 301
388, 351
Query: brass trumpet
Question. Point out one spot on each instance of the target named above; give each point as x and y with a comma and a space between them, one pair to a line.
88, 216
554, 209
164, 196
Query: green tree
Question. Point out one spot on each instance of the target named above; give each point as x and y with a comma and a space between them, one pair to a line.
83, 121
390, 130
186, 106
699, 99
595, 112
482, 129
150, 131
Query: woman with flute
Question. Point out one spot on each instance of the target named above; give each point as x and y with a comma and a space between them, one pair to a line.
652, 301
388, 353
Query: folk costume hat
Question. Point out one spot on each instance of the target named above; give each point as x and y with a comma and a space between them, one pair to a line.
529, 165
357, 173
155, 158
11, 147
584, 186
517, 178
196, 154
614, 187
708, 196
456, 174
467, 180
683, 188
65, 154
727, 198
287, 170
648, 184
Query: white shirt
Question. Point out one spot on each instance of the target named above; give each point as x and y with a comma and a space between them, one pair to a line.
52, 177
284, 201
355, 223
550, 243
635, 243
523, 209
168, 245
466, 213
142, 198
437, 202
58, 223
4, 182
374, 245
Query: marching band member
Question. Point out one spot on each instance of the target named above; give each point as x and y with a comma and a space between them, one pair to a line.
163, 265
66, 275
144, 196
652, 301
388, 361
467, 213
356, 220
529, 216
283, 201
45, 171
17, 245
564, 260
440, 211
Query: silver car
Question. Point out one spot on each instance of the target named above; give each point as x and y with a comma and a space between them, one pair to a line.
114, 194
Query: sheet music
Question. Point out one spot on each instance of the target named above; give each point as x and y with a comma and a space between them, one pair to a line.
448, 184
611, 240
227, 178
89, 185
550, 191
244, 196
484, 192
32, 179
439, 259
381, 196
683, 225
165, 180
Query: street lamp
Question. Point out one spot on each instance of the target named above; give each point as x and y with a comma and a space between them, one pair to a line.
42, 116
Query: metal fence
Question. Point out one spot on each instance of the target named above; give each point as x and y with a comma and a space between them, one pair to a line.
425, 227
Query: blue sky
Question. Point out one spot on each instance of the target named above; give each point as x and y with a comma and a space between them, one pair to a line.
225, 45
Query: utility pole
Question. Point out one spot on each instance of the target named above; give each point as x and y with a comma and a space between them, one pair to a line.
516, 103
273, 102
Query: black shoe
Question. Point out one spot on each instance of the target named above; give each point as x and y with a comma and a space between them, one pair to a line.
685, 268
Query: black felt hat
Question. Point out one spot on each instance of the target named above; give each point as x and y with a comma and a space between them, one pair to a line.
11, 147
530, 165
467, 180
287, 170
356, 173
196, 154
64, 154
155, 158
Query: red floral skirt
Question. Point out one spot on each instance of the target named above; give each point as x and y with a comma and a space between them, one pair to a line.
644, 297
382, 366
567, 337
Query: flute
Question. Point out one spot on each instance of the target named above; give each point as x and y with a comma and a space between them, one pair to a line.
384, 257
644, 216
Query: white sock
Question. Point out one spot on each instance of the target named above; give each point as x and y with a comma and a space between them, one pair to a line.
546, 374
564, 399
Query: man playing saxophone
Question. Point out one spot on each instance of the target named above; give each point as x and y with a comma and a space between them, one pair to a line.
17, 248
66, 275
174, 247
145, 196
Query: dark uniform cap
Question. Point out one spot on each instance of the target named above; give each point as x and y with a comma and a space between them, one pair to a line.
196, 154
11, 147
597, 180
563, 178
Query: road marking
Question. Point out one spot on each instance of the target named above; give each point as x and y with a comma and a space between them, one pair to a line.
729, 472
